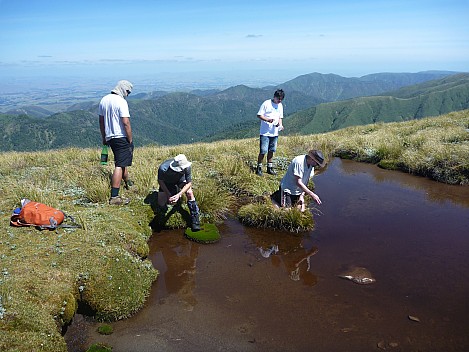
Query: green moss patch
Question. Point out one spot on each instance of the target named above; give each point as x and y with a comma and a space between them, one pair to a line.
105, 329
99, 347
208, 234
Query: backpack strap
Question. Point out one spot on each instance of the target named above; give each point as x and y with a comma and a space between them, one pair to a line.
75, 225
16, 221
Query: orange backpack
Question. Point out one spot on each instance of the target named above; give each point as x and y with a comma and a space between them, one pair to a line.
39, 215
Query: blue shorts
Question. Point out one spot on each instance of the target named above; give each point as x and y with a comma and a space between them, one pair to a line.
267, 143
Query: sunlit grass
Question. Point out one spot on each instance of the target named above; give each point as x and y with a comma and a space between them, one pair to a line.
46, 275
265, 215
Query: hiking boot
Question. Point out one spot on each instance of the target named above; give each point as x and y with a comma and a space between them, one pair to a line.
195, 223
195, 215
271, 171
128, 184
119, 201
259, 171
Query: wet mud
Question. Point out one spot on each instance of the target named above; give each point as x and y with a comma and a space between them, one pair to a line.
258, 290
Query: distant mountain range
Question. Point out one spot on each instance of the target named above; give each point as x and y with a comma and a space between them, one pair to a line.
431, 98
313, 103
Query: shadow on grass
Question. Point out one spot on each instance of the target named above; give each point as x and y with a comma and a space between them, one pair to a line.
167, 217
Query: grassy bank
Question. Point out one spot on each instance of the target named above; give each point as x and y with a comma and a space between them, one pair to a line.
46, 275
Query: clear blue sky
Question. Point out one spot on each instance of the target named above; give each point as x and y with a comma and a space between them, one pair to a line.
346, 37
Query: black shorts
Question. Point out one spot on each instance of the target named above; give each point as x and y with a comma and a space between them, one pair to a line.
123, 151
286, 199
173, 189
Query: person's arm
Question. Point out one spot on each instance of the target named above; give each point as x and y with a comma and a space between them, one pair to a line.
175, 198
280, 119
313, 195
266, 119
280, 123
127, 128
102, 128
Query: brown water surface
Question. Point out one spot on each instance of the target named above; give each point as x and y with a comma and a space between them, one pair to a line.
410, 233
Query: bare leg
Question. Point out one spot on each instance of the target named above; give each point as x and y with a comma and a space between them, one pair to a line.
260, 158
125, 175
190, 195
270, 155
117, 177
162, 199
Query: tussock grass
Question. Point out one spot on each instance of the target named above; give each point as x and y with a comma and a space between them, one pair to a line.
432, 147
45, 276
265, 215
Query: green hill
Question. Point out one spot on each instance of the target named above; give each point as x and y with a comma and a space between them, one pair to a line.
331, 87
34, 111
178, 118
427, 99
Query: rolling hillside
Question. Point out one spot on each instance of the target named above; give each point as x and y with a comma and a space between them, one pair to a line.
431, 98
330, 87
427, 99
175, 118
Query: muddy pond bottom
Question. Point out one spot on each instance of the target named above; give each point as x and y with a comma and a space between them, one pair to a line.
261, 290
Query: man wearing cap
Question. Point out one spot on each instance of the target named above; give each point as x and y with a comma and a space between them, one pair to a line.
175, 179
295, 182
114, 123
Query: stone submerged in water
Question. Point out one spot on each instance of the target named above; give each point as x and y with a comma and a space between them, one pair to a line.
359, 275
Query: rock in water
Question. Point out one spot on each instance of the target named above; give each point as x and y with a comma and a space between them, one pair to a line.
359, 275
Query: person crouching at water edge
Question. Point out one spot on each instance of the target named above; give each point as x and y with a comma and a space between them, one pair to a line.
294, 184
175, 179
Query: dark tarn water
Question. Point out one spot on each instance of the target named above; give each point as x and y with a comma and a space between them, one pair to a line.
241, 294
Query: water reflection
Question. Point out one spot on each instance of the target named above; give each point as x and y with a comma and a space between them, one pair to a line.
175, 257
293, 263
434, 191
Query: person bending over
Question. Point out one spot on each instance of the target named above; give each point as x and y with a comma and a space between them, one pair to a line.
294, 184
175, 179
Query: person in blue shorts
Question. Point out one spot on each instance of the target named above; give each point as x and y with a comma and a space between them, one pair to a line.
271, 114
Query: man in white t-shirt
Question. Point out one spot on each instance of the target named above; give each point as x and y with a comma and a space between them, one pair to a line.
114, 124
271, 114
294, 184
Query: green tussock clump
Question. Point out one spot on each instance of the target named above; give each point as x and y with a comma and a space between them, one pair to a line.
99, 347
105, 329
269, 217
434, 147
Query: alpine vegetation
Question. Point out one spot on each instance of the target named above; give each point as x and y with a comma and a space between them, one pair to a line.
101, 268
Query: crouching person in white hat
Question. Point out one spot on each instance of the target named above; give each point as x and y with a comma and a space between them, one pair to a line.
175, 179
294, 184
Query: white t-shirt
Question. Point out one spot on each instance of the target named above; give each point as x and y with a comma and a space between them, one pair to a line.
113, 107
272, 111
298, 167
